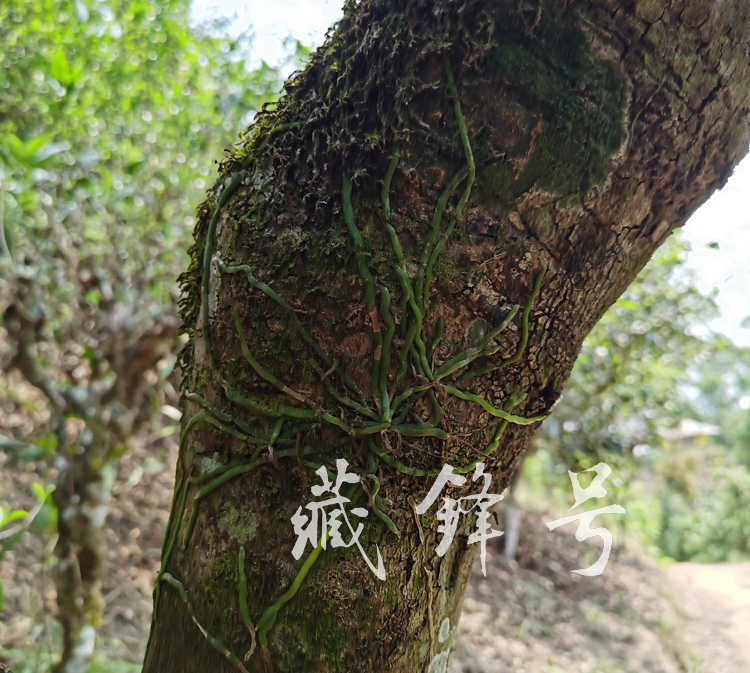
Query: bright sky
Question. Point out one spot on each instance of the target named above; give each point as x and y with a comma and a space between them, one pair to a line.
724, 219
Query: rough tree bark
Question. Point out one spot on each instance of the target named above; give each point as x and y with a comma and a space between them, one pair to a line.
590, 130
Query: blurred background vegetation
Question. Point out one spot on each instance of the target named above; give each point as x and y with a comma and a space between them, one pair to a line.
668, 410
111, 114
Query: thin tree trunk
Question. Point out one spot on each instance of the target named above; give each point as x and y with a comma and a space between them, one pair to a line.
113, 403
589, 129
82, 504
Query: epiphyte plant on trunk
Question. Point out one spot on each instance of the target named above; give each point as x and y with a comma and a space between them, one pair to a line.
364, 177
375, 417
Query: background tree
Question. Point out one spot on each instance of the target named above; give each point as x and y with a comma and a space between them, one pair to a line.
436, 165
109, 113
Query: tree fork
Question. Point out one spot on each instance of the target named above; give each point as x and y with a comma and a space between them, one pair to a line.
590, 130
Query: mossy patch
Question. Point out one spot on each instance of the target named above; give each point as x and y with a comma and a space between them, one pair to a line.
578, 100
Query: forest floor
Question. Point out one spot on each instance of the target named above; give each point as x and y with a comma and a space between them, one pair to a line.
541, 618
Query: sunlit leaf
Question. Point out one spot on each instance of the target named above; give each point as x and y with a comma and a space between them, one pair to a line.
60, 69
166, 431
47, 444
49, 151
171, 412
8, 516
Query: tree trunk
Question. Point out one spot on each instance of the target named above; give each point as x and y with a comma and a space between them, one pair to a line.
112, 403
82, 503
565, 141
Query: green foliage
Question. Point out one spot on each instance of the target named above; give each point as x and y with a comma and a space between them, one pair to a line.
108, 119
14, 522
38, 519
110, 114
8, 516
741, 448
713, 528
722, 385
38, 661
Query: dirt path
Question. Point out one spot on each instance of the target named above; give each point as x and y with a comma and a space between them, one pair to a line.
542, 618
716, 602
